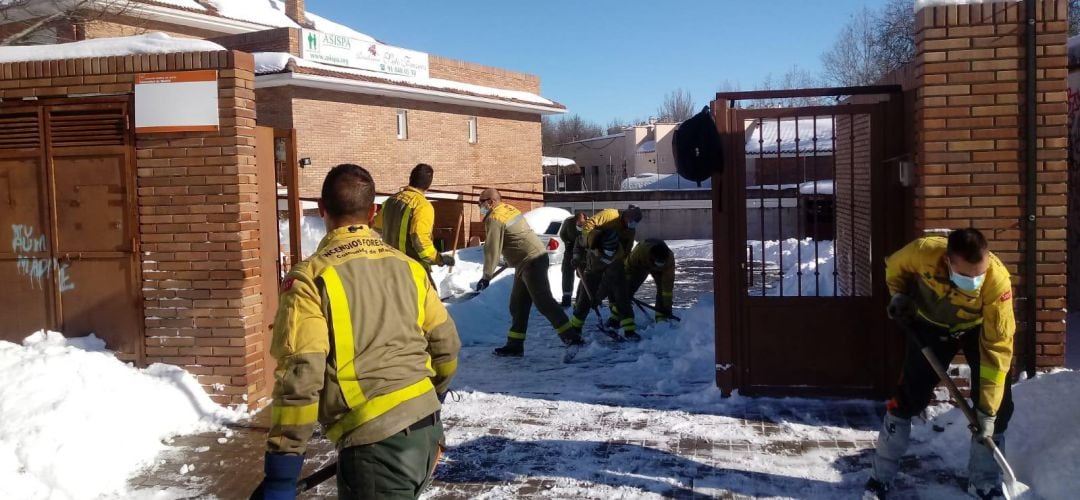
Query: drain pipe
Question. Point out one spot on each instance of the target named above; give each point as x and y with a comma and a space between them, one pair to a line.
1028, 222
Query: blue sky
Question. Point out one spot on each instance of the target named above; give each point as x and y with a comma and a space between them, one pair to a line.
605, 59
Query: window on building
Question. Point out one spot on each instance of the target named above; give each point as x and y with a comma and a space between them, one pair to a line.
402, 125
472, 130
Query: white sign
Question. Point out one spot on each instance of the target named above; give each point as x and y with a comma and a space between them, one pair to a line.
176, 101
340, 50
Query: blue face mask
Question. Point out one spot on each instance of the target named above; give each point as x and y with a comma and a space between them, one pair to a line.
966, 283
659, 263
484, 211
632, 224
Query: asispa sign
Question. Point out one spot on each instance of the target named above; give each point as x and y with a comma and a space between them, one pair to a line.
341, 50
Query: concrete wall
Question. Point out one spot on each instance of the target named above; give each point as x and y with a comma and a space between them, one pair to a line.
673, 215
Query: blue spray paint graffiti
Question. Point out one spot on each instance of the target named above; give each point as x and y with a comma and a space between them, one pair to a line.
37, 269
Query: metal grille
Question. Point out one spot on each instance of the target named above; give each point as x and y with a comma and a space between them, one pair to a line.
19, 131
807, 205
98, 127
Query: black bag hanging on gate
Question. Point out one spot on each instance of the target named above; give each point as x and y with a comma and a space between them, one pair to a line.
696, 147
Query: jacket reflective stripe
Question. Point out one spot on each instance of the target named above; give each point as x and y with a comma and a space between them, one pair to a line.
967, 325
342, 325
515, 220
515, 335
446, 369
377, 406
294, 415
420, 279
992, 374
403, 229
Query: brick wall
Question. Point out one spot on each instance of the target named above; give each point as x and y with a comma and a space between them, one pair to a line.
852, 205
969, 153
336, 127
197, 216
115, 26
271, 40
462, 71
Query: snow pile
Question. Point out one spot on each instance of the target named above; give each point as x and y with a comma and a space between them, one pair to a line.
641, 182
816, 187
275, 62
814, 259
1042, 440
151, 43
556, 161
75, 422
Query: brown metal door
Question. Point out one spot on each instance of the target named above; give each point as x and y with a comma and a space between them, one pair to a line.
806, 191
269, 247
26, 253
83, 234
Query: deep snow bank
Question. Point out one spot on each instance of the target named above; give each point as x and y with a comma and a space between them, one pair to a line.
75, 422
1043, 440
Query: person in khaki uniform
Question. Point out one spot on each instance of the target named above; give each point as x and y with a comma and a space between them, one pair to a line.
604, 276
954, 295
569, 233
365, 348
623, 222
509, 235
408, 218
652, 257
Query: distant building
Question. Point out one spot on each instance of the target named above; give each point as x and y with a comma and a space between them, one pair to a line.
609, 160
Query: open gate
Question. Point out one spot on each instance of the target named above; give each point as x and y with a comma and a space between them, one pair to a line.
800, 239
68, 261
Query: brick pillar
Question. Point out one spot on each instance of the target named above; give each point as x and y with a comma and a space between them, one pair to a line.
969, 116
295, 10
198, 219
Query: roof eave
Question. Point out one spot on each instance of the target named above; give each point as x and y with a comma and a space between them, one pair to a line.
196, 20
391, 90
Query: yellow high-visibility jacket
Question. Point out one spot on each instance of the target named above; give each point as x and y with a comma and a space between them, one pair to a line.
362, 342
405, 222
611, 219
640, 263
919, 270
507, 233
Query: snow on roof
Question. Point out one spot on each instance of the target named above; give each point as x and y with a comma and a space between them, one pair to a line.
603, 137
648, 146
920, 4
277, 62
650, 182
152, 43
762, 135
272, 13
816, 187
555, 161
186, 4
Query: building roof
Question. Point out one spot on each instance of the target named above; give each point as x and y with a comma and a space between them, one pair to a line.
151, 43
263, 13
648, 146
281, 69
591, 139
771, 136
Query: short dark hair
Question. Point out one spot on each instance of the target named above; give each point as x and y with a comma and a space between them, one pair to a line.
968, 244
421, 176
659, 251
348, 190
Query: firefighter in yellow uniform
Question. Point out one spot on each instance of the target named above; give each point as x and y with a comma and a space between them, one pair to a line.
407, 219
953, 295
365, 348
652, 257
508, 234
604, 275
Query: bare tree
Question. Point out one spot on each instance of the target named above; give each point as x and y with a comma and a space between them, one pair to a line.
793, 78
852, 59
895, 44
554, 132
26, 20
677, 107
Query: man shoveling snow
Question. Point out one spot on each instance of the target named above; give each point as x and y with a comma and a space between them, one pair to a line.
954, 295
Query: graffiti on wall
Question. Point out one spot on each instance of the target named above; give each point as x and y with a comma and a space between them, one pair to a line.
25, 240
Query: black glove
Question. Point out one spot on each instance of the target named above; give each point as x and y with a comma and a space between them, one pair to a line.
446, 259
441, 396
901, 307
482, 284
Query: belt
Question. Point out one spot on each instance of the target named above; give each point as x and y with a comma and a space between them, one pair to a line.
427, 421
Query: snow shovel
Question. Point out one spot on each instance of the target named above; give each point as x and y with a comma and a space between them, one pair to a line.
474, 293
596, 308
1011, 489
642, 305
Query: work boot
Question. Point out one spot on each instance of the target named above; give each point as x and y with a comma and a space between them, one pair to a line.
566, 300
995, 492
514, 348
572, 337
875, 490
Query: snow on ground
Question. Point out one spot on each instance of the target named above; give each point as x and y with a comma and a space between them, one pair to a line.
151, 43
814, 259
75, 422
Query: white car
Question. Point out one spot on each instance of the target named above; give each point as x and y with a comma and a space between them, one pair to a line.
546, 222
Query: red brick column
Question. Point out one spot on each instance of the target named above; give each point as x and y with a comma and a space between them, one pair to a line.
969, 117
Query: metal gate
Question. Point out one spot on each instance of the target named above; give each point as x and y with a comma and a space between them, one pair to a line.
804, 237
66, 187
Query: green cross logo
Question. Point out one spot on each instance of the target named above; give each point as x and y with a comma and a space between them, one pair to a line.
312, 41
